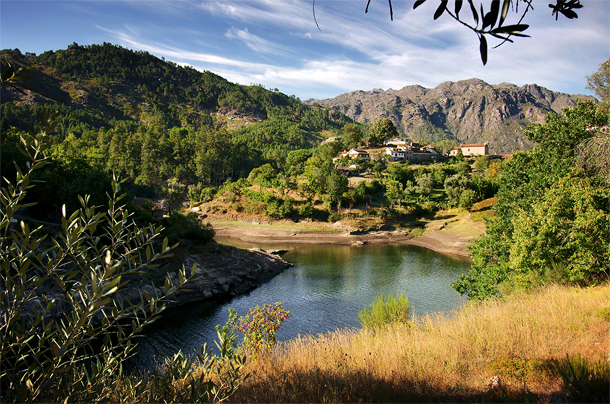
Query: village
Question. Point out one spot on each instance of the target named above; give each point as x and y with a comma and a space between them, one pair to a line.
398, 150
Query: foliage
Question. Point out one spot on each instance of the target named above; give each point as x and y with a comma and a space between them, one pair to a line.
336, 186
65, 330
260, 327
394, 191
425, 184
569, 229
552, 222
382, 130
174, 193
517, 368
599, 82
493, 22
169, 125
467, 198
585, 382
352, 136
187, 227
386, 310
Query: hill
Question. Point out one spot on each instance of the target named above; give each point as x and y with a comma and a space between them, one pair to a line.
468, 111
107, 86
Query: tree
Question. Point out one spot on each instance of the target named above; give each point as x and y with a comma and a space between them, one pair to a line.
567, 238
481, 163
394, 191
174, 193
493, 22
599, 82
530, 205
352, 136
425, 184
337, 185
382, 130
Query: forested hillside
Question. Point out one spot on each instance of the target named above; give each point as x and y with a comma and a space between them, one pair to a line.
152, 120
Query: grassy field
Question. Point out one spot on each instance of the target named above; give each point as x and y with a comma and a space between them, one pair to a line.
445, 358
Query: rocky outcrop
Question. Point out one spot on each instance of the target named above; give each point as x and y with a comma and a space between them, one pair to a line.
468, 111
222, 272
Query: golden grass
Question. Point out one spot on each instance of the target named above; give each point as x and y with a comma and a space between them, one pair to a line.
444, 358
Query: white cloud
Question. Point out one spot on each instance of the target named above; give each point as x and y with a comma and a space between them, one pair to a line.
254, 42
357, 51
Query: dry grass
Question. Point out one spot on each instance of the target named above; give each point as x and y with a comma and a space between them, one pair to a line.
444, 358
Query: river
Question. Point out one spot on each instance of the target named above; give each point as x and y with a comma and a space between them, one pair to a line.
324, 290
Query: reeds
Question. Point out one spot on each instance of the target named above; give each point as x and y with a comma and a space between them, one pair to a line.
444, 358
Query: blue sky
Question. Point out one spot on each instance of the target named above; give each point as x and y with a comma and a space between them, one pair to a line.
276, 42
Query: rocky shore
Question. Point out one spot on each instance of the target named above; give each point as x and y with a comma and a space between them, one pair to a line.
222, 272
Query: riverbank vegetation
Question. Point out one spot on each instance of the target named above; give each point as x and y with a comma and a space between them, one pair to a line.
521, 339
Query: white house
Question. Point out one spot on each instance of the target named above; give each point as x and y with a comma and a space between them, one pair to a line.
396, 154
478, 149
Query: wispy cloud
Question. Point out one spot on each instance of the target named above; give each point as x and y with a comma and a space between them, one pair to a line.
357, 51
256, 43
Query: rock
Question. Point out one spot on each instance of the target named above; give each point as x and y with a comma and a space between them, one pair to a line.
494, 382
196, 209
277, 252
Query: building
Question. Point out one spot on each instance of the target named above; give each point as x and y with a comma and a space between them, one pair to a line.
479, 149
354, 153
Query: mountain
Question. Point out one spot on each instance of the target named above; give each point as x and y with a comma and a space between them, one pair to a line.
467, 111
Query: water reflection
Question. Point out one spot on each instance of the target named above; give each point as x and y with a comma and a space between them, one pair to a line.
325, 290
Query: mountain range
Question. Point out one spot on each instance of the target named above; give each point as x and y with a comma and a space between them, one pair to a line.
100, 86
467, 111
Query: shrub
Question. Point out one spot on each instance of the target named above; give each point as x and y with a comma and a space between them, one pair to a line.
467, 198
187, 227
585, 382
65, 330
386, 310
260, 327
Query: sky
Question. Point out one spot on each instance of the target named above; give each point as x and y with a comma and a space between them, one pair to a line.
277, 43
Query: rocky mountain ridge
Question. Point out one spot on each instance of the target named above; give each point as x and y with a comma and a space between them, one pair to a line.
467, 111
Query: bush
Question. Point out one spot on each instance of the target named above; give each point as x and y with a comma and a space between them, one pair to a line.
386, 310
187, 227
65, 329
467, 198
584, 382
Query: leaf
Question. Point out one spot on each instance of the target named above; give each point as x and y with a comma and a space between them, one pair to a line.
483, 49
417, 3
441, 9
510, 29
475, 16
490, 18
505, 7
458, 7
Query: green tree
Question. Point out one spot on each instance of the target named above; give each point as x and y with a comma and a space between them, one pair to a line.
599, 82
566, 237
454, 187
337, 186
528, 202
382, 130
481, 163
262, 175
425, 184
352, 136
174, 193
394, 191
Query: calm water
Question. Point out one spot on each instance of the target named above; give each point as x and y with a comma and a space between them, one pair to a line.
325, 290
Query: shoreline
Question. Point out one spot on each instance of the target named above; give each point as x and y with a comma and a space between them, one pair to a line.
448, 240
